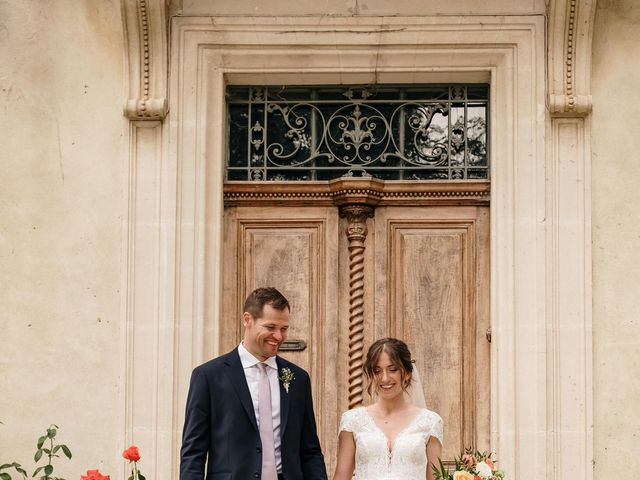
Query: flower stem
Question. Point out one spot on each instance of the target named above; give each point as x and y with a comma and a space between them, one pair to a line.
50, 454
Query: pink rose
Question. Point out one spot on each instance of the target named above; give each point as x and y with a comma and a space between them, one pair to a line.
468, 459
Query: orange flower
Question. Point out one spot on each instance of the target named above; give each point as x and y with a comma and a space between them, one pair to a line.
490, 463
94, 475
462, 475
132, 454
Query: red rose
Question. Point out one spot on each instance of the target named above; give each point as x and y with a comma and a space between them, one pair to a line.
94, 475
132, 454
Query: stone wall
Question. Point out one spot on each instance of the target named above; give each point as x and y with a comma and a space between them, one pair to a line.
62, 151
616, 237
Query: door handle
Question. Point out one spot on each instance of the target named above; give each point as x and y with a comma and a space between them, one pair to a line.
293, 346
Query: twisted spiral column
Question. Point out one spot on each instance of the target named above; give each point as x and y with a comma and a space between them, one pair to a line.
356, 234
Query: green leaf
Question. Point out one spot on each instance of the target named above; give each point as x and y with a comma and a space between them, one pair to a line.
5, 465
444, 474
48, 470
47, 451
56, 448
51, 432
131, 477
66, 451
141, 476
37, 456
41, 441
37, 471
436, 473
5, 476
19, 468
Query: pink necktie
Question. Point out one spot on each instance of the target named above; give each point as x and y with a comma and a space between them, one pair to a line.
266, 425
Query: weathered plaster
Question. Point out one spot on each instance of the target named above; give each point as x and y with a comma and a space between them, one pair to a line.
357, 8
616, 237
61, 153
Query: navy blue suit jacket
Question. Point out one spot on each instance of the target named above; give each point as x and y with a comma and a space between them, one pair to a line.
220, 425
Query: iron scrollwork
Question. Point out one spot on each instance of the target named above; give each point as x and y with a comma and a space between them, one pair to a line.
392, 133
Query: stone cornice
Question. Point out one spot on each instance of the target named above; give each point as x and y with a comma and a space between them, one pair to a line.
570, 33
145, 30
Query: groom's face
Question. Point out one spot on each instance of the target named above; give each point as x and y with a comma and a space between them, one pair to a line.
264, 335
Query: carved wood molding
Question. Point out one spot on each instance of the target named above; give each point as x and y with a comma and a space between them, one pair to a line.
145, 30
570, 34
368, 191
356, 234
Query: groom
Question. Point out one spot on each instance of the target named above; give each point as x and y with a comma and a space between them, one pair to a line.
249, 412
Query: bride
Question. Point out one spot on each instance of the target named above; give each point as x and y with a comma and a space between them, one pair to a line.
392, 439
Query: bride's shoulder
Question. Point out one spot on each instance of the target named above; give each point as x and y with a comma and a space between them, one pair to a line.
430, 417
357, 412
352, 419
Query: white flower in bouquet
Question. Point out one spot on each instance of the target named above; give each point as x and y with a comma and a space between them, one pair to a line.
484, 470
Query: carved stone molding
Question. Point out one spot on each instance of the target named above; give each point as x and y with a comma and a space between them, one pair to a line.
145, 29
570, 32
356, 234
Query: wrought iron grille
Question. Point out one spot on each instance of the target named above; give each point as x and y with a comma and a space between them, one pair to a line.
399, 132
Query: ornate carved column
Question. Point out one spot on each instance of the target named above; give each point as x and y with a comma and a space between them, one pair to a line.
356, 198
569, 344
356, 234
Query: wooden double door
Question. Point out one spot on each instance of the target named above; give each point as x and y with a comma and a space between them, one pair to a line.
418, 273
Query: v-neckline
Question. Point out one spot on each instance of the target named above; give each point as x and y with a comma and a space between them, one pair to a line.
391, 445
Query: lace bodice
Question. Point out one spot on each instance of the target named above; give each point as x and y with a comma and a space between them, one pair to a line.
408, 458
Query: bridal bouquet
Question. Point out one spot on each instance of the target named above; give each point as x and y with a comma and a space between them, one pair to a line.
471, 465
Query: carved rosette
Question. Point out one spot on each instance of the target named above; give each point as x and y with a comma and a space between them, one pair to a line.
356, 234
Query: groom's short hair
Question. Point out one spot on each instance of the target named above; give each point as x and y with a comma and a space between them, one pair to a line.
262, 296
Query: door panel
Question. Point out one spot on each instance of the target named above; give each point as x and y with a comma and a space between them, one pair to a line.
294, 250
431, 271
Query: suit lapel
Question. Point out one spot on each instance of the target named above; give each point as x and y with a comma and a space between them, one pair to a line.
235, 372
284, 400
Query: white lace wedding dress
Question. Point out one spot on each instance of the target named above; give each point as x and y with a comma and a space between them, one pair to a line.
407, 457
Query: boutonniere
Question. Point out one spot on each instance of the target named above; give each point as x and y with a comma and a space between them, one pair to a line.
286, 377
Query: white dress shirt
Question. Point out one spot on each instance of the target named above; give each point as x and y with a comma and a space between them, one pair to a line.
250, 366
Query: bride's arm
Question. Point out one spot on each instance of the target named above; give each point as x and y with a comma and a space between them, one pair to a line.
346, 456
434, 452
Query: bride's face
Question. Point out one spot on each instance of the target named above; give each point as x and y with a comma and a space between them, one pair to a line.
388, 377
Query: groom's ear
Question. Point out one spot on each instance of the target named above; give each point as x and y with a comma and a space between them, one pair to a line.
247, 319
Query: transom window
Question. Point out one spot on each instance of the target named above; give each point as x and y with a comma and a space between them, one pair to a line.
391, 132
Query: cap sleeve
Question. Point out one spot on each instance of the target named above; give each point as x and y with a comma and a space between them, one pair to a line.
437, 428
347, 422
